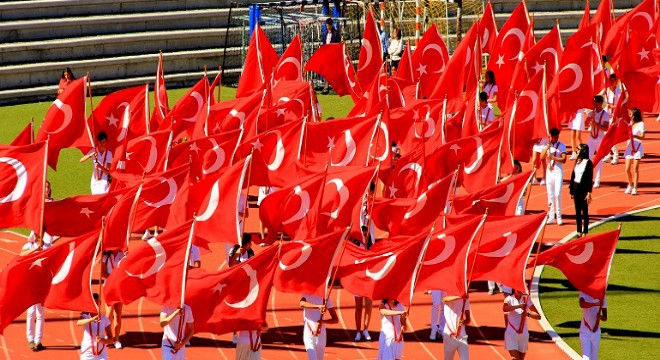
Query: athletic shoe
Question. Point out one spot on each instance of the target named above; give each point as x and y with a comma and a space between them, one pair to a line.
146, 235
634, 191
31, 345
491, 291
38, 347
234, 339
358, 336
550, 221
542, 182
366, 335
615, 160
434, 334
559, 221
607, 158
597, 184
628, 190
535, 181
118, 345
573, 156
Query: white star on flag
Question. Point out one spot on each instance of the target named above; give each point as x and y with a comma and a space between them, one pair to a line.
538, 67
644, 54
393, 190
38, 263
112, 120
218, 288
455, 147
86, 212
421, 69
500, 61
331, 142
257, 145
281, 112
195, 148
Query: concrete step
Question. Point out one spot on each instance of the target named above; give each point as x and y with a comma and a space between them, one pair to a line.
507, 6
69, 27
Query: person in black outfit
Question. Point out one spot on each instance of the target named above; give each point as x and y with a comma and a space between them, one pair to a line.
580, 188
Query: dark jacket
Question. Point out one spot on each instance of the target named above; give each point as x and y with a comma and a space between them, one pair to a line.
586, 184
336, 36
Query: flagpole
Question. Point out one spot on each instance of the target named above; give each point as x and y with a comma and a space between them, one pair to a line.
43, 195
332, 273
325, 177
167, 150
32, 130
147, 114
132, 215
377, 134
91, 131
369, 210
418, 267
187, 260
247, 192
528, 188
99, 249
219, 84
453, 190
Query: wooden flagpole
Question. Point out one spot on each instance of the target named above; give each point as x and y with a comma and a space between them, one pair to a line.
418, 267
219, 84
247, 192
99, 249
32, 130
332, 273
40, 233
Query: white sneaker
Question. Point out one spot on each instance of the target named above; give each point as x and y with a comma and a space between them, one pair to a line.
550, 221
358, 336
146, 235
234, 339
634, 191
607, 158
615, 161
597, 184
559, 221
534, 181
434, 334
366, 335
118, 345
573, 156
628, 190
542, 182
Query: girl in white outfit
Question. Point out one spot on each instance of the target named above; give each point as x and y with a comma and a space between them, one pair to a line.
314, 335
634, 151
97, 334
392, 325
516, 336
100, 183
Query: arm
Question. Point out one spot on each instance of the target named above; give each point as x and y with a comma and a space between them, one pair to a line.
334, 319
108, 339
588, 177
533, 313
508, 307
88, 156
167, 319
308, 305
466, 319
190, 331
389, 312
571, 184
586, 304
197, 264
84, 321
603, 314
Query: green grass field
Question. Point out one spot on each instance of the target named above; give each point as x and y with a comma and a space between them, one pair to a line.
633, 295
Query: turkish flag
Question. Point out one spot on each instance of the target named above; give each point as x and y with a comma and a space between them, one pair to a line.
110, 115
154, 269
65, 124
509, 50
340, 142
230, 115
25, 137
22, 185
445, 263
488, 29
189, 108
453, 123
305, 265
547, 51
584, 22
504, 248
217, 149
637, 52
429, 60
78, 215
71, 287
383, 274
575, 82
290, 100
585, 262
289, 67
119, 220
370, 61
216, 200
26, 280
161, 103
619, 131
604, 19
520, 123
145, 154
325, 62
233, 299
385, 210
157, 196
643, 87
274, 154
500, 200
406, 180
426, 124
259, 63
375, 99
405, 71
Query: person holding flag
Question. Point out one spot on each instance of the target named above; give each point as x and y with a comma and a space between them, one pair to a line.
555, 155
314, 335
175, 335
454, 337
516, 336
611, 94
97, 334
393, 317
634, 151
593, 312
102, 156
109, 261
599, 122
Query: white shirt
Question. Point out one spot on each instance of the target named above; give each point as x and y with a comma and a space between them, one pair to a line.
556, 149
105, 159
395, 49
515, 317
48, 239
490, 89
312, 316
637, 130
611, 97
244, 337
579, 170
172, 329
601, 117
328, 37
390, 324
91, 330
452, 310
589, 315
487, 115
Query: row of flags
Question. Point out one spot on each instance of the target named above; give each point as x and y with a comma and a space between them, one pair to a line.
272, 135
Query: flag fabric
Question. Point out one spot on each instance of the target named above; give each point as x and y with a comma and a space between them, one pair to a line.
488, 29
575, 85
547, 51
585, 262
342, 79
207, 155
22, 185
161, 102
289, 67
604, 18
145, 154
405, 71
233, 299
429, 60
407, 178
500, 200
157, 196
25, 137
643, 87
78, 215
259, 63
188, 109
584, 22
620, 130
370, 61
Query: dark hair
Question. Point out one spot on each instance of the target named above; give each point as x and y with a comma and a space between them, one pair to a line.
50, 189
68, 70
483, 96
636, 115
102, 136
599, 99
584, 152
397, 31
490, 75
95, 296
246, 239
517, 165
554, 132
328, 21
612, 76
372, 186
395, 302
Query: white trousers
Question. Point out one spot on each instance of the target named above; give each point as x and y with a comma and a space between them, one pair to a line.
244, 352
454, 345
35, 323
99, 187
593, 147
314, 345
553, 183
166, 353
437, 313
590, 343
491, 285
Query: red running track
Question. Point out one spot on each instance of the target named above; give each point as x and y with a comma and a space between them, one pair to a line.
141, 334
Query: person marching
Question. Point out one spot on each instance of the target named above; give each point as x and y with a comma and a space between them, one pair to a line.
487, 113
248, 345
634, 151
490, 87
593, 312
611, 94
454, 337
109, 261
516, 335
97, 334
580, 188
314, 332
173, 345
437, 313
599, 121
100, 183
392, 325
237, 255
555, 154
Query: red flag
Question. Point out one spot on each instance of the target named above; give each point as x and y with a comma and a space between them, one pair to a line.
259, 63
499, 200
157, 196
161, 103
25, 137
637, 53
22, 185
383, 274
429, 60
488, 29
575, 84
38, 270
188, 109
424, 124
217, 149
64, 123
406, 180
585, 17
375, 99
78, 215
233, 299
528, 121
405, 71
116, 233
230, 115
342, 79
585, 262
643, 87
370, 61
604, 18
110, 116
154, 269
71, 287
145, 154
305, 265
504, 249
549, 51
619, 131
289, 67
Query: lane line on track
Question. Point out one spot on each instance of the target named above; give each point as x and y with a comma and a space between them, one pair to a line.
141, 326
483, 337
4, 347
420, 342
343, 324
222, 353
277, 323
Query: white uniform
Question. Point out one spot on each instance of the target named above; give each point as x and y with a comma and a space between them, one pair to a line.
91, 330
491, 90
111, 260
437, 310
314, 345
99, 183
171, 333
248, 345
390, 341
635, 149
554, 177
35, 313
453, 341
612, 97
590, 329
487, 115
595, 137
577, 123
516, 335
